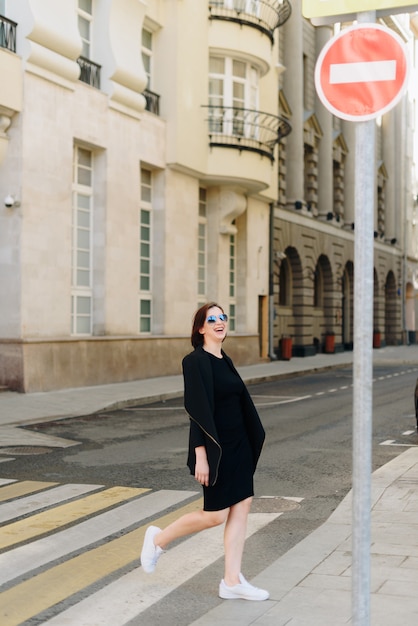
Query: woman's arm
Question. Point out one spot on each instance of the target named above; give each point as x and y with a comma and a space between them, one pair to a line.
202, 466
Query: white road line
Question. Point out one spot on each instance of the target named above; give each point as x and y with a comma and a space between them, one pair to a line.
392, 442
36, 554
363, 72
408, 432
30, 504
126, 598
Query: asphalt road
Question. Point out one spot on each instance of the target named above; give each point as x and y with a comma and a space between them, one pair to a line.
308, 450
307, 458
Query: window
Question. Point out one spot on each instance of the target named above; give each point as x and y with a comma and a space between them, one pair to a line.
284, 283
145, 232
202, 247
82, 266
232, 280
318, 288
147, 55
85, 18
233, 97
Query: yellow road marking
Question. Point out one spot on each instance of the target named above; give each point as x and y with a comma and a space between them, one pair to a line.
33, 596
51, 519
16, 490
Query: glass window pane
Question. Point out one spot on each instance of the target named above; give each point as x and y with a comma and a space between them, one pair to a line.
83, 259
144, 283
84, 176
83, 305
145, 217
84, 157
145, 266
238, 69
83, 326
145, 233
146, 176
146, 61
84, 28
145, 307
83, 219
145, 250
216, 65
83, 278
145, 325
83, 202
147, 39
85, 5
146, 193
83, 239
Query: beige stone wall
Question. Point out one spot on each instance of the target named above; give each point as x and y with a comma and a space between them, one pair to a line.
62, 364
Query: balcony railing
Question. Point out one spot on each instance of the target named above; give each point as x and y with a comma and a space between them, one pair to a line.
7, 34
153, 101
245, 129
265, 15
90, 72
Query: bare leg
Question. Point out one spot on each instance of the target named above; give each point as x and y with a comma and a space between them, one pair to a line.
188, 524
234, 539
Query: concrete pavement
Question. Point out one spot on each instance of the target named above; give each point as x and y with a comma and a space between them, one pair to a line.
310, 585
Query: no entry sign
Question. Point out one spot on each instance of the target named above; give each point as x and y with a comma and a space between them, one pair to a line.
362, 72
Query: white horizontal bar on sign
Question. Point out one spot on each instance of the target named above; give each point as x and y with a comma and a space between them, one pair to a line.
364, 72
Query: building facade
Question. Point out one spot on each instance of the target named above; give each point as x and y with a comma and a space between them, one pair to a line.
158, 154
314, 228
139, 146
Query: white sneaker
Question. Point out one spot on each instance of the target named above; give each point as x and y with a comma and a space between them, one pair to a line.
150, 552
244, 591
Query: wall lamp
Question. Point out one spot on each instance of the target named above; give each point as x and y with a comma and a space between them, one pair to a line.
10, 202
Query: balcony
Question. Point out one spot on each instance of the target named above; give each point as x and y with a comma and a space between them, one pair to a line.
152, 102
245, 129
7, 34
265, 15
90, 72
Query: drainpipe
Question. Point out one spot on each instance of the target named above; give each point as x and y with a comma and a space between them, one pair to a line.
272, 354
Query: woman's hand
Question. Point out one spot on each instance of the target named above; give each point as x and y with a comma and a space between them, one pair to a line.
201, 472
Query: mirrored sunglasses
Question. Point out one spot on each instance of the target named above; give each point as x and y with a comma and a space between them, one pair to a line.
212, 318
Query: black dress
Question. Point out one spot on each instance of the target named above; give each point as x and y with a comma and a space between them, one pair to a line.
235, 477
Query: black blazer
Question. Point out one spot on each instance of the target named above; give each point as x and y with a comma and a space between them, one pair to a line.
200, 405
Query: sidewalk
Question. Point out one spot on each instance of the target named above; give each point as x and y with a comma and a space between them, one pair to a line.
310, 585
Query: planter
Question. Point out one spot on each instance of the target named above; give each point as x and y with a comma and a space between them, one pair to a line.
286, 348
330, 343
376, 339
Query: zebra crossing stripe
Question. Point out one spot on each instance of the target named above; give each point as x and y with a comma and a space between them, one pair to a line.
31, 556
48, 588
130, 595
16, 490
23, 506
43, 523
6, 481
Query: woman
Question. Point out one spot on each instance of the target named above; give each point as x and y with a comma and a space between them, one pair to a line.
225, 442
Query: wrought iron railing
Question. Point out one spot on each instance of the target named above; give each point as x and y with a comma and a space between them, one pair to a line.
152, 101
265, 15
90, 72
245, 129
7, 34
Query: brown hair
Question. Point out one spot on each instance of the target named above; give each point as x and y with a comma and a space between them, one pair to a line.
199, 320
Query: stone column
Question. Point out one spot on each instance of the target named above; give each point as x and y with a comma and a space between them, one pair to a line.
349, 131
325, 160
390, 156
293, 88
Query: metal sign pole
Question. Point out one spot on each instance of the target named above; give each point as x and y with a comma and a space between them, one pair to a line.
363, 362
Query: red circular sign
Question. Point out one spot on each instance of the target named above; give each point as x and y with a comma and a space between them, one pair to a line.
361, 73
